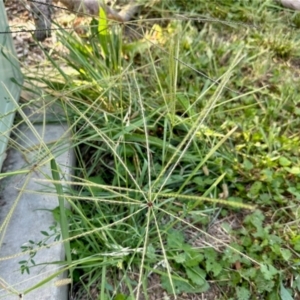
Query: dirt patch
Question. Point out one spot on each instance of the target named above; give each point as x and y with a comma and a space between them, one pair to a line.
21, 24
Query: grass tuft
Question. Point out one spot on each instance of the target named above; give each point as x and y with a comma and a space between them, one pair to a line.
187, 153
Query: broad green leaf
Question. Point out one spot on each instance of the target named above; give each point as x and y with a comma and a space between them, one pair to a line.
103, 32
294, 191
120, 297
196, 275
193, 256
286, 254
213, 266
255, 188
151, 252
103, 24
180, 258
242, 293
268, 271
211, 262
284, 162
293, 170
248, 165
175, 239
296, 283
255, 219
97, 180
284, 293
182, 286
248, 273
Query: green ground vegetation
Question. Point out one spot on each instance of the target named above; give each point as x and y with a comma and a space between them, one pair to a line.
187, 143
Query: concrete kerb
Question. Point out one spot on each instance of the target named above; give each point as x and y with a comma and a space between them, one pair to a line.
23, 196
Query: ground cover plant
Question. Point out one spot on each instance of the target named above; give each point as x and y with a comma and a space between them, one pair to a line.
187, 145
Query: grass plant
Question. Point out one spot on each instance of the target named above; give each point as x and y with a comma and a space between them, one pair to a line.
187, 143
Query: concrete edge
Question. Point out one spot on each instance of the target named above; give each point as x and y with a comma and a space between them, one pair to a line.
28, 202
